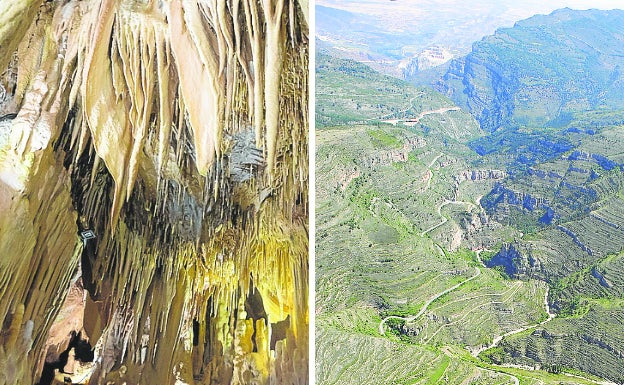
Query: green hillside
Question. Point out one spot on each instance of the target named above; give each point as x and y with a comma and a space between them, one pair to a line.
446, 255
348, 92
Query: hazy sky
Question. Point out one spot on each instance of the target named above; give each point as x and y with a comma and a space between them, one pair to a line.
402, 13
527, 7
455, 23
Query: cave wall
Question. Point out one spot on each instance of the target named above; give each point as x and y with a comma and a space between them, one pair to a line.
177, 132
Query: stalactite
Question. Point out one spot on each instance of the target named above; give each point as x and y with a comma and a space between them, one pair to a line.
197, 68
273, 71
176, 132
255, 36
103, 109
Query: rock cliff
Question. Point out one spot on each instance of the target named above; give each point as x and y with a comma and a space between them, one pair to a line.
480, 175
429, 58
517, 261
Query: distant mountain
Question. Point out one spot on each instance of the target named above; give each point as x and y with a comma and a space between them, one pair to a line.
361, 37
394, 37
542, 70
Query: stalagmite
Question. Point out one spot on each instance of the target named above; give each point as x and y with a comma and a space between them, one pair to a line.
175, 134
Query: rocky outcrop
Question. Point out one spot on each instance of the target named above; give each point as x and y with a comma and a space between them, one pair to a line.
601, 160
502, 194
153, 192
396, 155
516, 261
549, 216
428, 58
575, 238
480, 175
603, 345
601, 278
346, 177
603, 220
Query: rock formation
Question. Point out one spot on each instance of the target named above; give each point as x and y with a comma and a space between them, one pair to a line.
516, 261
429, 58
153, 192
398, 154
480, 175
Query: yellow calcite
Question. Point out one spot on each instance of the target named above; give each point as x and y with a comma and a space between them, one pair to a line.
128, 118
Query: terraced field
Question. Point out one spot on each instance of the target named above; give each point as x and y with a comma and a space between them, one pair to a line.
572, 342
373, 263
434, 261
389, 366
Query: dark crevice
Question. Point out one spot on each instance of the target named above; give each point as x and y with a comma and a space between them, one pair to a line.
83, 352
278, 331
195, 332
254, 307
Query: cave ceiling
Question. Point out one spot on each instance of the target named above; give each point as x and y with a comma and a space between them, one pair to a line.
154, 191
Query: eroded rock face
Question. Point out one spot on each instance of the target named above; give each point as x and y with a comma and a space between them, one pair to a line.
396, 155
508, 257
502, 194
177, 133
480, 175
429, 58
517, 261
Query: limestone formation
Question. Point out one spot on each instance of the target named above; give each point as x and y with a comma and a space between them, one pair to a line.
154, 192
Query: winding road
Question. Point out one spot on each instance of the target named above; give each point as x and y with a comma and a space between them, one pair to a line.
444, 219
430, 112
382, 329
499, 338
413, 121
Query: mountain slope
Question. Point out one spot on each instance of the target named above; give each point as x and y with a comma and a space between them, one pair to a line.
542, 70
506, 245
402, 293
348, 92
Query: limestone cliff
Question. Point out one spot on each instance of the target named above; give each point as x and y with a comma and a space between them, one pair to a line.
516, 260
153, 192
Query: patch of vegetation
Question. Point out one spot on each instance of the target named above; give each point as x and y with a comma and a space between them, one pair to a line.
439, 371
594, 335
384, 235
383, 139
